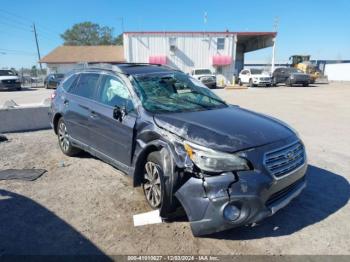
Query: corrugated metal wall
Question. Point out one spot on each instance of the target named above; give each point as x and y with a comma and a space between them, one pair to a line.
338, 72
192, 51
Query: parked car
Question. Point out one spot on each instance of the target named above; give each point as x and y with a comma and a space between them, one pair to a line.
9, 80
224, 165
254, 77
53, 80
290, 76
205, 76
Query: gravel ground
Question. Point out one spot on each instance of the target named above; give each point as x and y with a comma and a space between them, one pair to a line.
84, 206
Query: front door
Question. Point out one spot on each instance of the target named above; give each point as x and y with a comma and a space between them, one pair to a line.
112, 137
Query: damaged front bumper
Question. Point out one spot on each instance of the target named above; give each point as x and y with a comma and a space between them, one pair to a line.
255, 193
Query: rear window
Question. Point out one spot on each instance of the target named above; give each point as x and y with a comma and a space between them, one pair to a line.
86, 85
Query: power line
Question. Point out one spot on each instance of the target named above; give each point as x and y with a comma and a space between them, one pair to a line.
19, 19
16, 51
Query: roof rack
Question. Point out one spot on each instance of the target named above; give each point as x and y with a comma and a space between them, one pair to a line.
115, 67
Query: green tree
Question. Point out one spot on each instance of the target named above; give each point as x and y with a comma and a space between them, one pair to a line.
34, 71
88, 33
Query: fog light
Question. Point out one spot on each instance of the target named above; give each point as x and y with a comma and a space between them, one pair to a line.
231, 212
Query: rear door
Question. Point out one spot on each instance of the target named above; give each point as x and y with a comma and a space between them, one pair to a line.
245, 76
77, 106
112, 137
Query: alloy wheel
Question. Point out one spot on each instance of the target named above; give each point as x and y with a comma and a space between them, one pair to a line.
152, 185
63, 137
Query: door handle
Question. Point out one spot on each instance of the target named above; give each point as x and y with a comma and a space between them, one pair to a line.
93, 114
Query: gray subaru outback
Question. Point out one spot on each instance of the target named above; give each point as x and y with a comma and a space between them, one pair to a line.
223, 165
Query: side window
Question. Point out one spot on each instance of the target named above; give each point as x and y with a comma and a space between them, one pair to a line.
70, 82
221, 43
244, 72
86, 85
113, 92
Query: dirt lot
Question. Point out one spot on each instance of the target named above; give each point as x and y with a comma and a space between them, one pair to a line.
82, 205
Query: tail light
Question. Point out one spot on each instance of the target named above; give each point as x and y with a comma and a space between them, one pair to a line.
53, 95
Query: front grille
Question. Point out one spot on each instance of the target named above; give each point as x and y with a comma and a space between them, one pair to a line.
9, 82
283, 192
265, 78
284, 160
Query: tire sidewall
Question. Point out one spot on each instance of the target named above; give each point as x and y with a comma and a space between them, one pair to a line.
156, 158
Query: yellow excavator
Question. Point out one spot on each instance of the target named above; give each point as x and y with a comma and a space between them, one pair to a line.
302, 62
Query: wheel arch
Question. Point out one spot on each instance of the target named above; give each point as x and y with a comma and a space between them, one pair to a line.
141, 160
55, 121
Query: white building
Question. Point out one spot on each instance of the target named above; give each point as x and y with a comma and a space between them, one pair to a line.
222, 52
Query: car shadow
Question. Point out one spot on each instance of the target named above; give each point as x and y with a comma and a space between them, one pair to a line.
325, 194
28, 228
29, 89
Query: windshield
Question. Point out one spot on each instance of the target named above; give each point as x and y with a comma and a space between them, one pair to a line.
175, 92
203, 72
6, 73
256, 71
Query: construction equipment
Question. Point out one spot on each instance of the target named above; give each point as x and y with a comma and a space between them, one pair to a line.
302, 62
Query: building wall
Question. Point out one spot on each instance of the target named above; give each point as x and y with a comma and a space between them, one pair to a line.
60, 68
338, 72
192, 51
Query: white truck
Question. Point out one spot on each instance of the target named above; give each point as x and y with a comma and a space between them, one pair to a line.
205, 76
9, 80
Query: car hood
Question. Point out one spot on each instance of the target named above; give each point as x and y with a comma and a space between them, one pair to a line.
9, 77
227, 129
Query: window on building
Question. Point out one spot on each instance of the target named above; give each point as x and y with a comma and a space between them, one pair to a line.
221, 43
219, 70
172, 43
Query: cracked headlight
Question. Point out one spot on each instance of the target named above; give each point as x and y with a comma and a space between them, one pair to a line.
213, 161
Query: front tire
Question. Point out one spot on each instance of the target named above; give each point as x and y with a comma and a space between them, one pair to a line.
251, 83
63, 139
274, 81
240, 82
153, 180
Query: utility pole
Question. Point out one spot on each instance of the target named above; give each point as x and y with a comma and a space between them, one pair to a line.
37, 45
275, 27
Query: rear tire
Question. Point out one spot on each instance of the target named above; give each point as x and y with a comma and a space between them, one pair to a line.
306, 84
63, 139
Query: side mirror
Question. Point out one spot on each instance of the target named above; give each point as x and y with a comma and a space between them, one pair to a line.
119, 113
